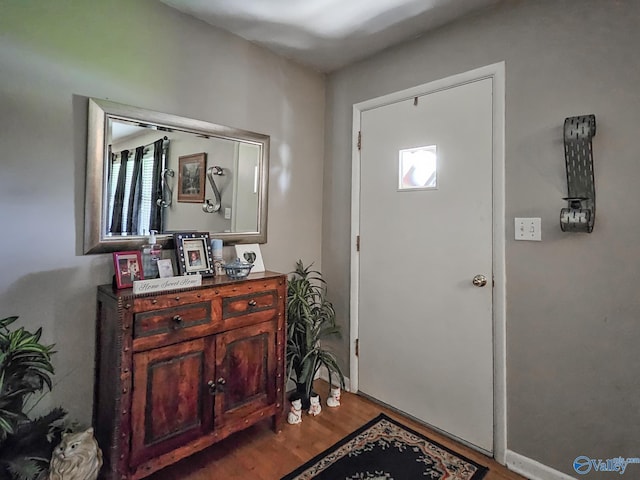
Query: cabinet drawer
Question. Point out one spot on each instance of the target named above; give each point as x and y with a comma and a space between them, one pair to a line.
169, 325
169, 320
240, 310
157, 302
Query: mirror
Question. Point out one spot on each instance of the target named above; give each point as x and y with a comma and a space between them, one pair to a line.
154, 171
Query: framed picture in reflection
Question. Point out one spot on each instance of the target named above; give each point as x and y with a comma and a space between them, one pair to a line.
191, 177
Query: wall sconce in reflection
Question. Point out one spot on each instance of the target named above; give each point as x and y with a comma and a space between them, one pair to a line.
580, 215
208, 206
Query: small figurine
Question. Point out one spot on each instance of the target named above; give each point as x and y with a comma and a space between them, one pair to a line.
315, 408
295, 414
77, 457
333, 400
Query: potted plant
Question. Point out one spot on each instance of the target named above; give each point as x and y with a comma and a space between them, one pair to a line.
311, 318
26, 444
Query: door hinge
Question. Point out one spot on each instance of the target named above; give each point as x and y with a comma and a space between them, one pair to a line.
357, 347
359, 140
357, 243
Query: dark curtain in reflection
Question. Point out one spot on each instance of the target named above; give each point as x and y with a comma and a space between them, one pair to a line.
118, 201
155, 222
135, 193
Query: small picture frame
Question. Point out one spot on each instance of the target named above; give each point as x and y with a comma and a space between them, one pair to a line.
193, 253
251, 253
165, 268
191, 178
127, 267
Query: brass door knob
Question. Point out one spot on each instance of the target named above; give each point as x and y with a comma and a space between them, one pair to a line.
479, 280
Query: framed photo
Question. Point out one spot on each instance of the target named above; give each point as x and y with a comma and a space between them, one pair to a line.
165, 268
128, 267
251, 253
193, 253
191, 177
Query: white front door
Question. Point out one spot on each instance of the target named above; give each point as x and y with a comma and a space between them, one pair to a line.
424, 328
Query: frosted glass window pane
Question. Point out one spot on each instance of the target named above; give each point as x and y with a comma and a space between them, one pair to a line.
418, 168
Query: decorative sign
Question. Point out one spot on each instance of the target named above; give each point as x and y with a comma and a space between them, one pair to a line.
163, 284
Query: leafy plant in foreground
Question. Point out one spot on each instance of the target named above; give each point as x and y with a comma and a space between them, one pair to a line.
25, 370
311, 318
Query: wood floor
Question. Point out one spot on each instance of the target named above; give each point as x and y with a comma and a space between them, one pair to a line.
260, 454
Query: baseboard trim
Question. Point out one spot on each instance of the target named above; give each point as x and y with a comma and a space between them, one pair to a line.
532, 469
324, 375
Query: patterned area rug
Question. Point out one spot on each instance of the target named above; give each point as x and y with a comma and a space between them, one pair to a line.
384, 449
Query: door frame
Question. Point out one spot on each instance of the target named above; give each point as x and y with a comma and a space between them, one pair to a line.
496, 72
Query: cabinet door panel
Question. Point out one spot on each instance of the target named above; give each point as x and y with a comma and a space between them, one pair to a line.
245, 362
171, 401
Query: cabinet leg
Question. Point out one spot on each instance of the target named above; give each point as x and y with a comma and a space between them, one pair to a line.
276, 422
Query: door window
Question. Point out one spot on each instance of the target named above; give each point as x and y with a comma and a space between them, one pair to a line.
418, 168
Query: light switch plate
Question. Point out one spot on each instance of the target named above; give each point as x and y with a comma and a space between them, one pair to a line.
528, 229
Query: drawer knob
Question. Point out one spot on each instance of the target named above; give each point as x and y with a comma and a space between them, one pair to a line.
177, 320
252, 303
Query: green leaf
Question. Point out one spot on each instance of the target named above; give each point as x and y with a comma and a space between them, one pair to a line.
5, 322
5, 425
25, 468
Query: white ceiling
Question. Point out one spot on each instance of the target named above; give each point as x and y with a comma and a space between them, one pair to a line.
327, 34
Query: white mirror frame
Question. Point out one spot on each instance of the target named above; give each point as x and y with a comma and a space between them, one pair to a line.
100, 111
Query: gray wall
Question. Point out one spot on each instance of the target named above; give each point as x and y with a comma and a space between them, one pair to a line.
572, 300
53, 55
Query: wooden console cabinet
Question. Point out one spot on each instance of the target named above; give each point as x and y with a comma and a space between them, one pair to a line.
178, 371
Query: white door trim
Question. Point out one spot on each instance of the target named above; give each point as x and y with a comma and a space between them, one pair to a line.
495, 71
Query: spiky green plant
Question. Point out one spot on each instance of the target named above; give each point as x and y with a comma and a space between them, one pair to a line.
25, 370
311, 318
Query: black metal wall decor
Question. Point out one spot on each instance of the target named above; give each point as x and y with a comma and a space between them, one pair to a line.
578, 153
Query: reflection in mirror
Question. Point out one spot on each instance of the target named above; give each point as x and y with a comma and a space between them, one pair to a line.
152, 171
